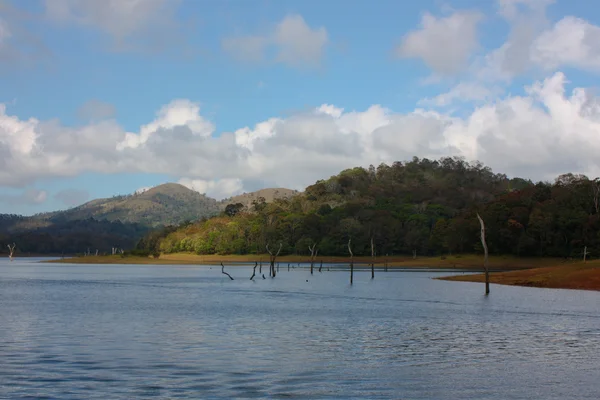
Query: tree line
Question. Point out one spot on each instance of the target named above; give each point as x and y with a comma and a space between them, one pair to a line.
420, 207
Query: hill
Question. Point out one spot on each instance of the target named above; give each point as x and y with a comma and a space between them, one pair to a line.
119, 221
420, 208
398, 206
167, 204
269, 195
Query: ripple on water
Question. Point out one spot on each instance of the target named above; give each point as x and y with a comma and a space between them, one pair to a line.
126, 332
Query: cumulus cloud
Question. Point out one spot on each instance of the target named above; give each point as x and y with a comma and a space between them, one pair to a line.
292, 40
571, 42
72, 197
27, 197
443, 43
540, 134
534, 45
217, 188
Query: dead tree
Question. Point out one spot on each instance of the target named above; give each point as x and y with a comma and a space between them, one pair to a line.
321, 266
485, 259
223, 271
254, 271
351, 262
372, 260
313, 255
272, 272
11, 251
585, 253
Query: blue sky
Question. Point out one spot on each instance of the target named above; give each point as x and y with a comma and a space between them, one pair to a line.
331, 84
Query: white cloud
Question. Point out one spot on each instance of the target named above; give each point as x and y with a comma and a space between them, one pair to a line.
463, 92
445, 43
217, 188
572, 42
293, 41
538, 135
125, 21
142, 189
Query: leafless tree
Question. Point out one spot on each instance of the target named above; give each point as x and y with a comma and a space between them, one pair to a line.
313, 254
11, 251
372, 259
272, 271
351, 262
485, 259
254, 271
223, 271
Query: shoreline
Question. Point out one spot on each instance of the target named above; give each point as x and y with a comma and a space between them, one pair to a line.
575, 276
459, 262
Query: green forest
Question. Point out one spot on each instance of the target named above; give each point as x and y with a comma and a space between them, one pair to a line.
422, 207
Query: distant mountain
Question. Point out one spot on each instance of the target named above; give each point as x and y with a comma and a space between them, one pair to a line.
167, 204
269, 195
119, 221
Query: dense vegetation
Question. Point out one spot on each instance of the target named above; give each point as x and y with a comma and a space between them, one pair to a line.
59, 236
423, 206
119, 221
162, 205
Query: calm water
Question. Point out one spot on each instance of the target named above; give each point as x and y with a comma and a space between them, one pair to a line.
122, 332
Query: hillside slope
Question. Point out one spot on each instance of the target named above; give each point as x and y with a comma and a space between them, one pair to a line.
167, 204
270, 195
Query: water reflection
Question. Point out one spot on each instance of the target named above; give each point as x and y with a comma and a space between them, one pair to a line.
189, 332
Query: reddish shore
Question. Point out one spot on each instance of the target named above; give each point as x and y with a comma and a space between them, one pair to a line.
582, 276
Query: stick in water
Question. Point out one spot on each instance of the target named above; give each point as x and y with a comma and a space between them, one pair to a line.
223, 271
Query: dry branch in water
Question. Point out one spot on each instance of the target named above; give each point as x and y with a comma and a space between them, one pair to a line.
254, 271
223, 271
351, 262
273, 258
11, 251
485, 259
313, 255
372, 259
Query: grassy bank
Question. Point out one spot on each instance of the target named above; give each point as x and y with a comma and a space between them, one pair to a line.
473, 262
566, 276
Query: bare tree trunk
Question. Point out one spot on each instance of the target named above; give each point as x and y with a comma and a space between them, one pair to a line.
351, 262
313, 255
223, 271
373, 260
254, 271
260, 267
321, 266
485, 259
11, 251
272, 271
585, 254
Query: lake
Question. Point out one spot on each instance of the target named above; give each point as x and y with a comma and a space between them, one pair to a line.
135, 331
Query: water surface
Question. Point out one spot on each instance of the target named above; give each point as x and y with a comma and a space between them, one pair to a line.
134, 331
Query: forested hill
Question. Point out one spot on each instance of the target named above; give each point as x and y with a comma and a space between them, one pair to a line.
423, 206
102, 224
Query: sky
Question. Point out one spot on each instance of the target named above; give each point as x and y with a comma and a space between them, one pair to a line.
106, 97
